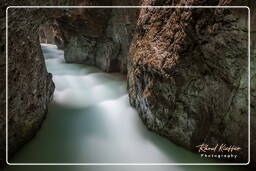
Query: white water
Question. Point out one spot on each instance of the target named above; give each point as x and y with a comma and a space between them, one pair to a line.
91, 121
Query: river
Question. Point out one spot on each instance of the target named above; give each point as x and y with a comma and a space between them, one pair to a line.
91, 121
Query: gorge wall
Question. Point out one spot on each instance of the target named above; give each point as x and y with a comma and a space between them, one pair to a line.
188, 74
99, 37
30, 86
187, 68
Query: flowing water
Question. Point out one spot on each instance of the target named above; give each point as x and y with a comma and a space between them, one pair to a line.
91, 121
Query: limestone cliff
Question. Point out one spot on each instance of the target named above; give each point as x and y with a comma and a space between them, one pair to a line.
187, 68
47, 34
30, 87
188, 74
99, 37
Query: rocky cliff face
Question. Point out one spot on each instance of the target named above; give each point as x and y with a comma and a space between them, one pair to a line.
99, 37
30, 87
188, 74
47, 34
187, 68
2, 88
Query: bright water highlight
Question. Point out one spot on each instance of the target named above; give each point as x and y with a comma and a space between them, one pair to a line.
91, 121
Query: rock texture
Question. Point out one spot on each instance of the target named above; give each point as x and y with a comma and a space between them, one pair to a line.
30, 86
188, 74
2, 89
47, 34
99, 37
187, 68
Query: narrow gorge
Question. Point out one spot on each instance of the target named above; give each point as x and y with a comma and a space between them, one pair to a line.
128, 85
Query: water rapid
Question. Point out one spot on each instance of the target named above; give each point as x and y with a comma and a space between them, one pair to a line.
91, 121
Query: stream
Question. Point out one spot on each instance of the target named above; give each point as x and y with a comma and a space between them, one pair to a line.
90, 120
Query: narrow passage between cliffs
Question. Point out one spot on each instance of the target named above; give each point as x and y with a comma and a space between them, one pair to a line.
91, 121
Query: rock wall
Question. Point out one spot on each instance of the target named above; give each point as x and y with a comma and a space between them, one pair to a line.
99, 37
2, 88
30, 87
47, 34
188, 74
187, 68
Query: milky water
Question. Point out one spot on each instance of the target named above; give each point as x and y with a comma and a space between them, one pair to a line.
91, 121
